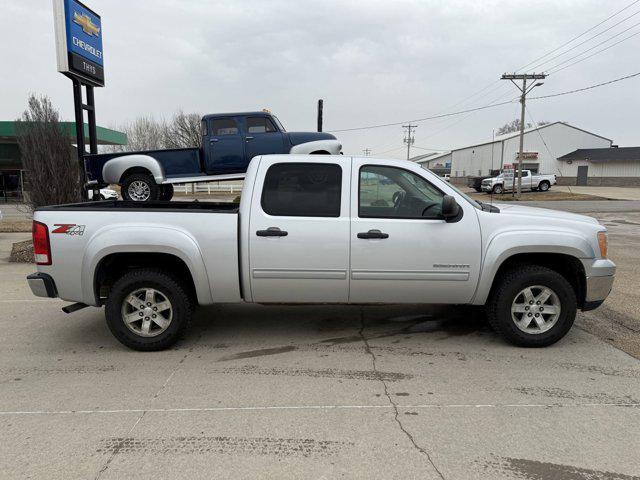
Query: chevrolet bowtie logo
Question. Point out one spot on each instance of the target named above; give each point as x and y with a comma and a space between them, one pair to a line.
85, 22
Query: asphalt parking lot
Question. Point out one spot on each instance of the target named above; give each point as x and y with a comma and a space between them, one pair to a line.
322, 392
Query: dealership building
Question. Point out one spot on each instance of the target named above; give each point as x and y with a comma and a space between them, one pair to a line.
574, 155
13, 177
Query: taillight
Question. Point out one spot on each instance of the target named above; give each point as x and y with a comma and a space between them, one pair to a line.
41, 245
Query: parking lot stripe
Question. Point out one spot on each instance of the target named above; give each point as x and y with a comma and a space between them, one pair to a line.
314, 407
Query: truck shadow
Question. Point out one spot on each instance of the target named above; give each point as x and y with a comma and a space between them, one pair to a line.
330, 324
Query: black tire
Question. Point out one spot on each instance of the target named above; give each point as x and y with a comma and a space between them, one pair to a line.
498, 189
166, 192
479, 190
167, 286
505, 292
143, 178
101, 197
544, 186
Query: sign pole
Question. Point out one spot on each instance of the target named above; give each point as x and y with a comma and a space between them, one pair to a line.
77, 104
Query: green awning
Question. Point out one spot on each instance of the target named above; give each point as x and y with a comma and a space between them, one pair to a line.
106, 136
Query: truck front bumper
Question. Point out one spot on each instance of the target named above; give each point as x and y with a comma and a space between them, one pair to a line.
600, 274
486, 188
42, 285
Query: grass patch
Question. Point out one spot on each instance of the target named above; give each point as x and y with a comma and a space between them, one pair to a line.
537, 196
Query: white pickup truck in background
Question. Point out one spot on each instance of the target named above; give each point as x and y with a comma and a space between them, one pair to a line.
322, 229
504, 182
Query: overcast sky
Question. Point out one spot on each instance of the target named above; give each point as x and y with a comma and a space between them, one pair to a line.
372, 62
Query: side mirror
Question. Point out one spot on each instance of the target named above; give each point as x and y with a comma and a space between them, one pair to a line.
450, 208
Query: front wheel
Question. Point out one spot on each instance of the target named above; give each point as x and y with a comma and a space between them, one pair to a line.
140, 187
148, 309
498, 189
532, 306
544, 186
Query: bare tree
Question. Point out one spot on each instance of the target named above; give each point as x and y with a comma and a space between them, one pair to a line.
53, 173
183, 131
148, 133
514, 126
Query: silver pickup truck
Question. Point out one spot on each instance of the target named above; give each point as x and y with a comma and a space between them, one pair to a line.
530, 181
322, 229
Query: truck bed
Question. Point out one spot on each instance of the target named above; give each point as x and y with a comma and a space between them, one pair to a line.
122, 205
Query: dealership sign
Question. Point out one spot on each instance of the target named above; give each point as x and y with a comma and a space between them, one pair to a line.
79, 41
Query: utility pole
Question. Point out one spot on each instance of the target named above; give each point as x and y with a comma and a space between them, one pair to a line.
320, 114
523, 98
409, 140
367, 152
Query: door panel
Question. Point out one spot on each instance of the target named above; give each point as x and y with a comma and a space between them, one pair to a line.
262, 137
226, 147
299, 232
582, 175
420, 260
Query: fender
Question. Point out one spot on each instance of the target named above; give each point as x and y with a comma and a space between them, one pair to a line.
144, 238
334, 147
506, 244
113, 169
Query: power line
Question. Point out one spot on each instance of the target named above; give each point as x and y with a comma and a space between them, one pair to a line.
451, 114
591, 38
586, 88
580, 35
596, 53
551, 69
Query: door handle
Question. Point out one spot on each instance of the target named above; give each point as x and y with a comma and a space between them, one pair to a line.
373, 234
213, 140
248, 138
272, 232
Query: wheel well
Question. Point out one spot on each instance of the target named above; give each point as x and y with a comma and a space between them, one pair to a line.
115, 265
320, 152
132, 170
566, 265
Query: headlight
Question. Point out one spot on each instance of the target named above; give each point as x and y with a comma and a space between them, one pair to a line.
603, 243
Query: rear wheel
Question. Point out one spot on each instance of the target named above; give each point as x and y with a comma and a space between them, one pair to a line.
140, 187
148, 310
544, 186
532, 306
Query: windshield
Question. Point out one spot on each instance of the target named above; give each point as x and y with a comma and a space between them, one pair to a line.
275, 119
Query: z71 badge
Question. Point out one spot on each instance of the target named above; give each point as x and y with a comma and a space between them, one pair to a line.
68, 228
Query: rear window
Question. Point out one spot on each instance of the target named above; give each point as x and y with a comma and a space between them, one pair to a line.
302, 190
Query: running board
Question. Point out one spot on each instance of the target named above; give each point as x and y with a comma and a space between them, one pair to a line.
206, 178
74, 307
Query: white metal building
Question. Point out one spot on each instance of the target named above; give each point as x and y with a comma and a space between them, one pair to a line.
542, 146
604, 166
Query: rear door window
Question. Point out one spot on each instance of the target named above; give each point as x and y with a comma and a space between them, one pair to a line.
224, 126
302, 190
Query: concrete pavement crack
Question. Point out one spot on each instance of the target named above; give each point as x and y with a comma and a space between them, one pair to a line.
394, 405
119, 446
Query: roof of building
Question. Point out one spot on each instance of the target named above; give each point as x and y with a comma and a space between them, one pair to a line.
106, 136
507, 136
613, 154
429, 157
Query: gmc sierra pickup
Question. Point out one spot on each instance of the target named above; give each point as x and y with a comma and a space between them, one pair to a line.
322, 229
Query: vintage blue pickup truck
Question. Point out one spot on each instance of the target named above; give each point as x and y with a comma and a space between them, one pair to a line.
229, 142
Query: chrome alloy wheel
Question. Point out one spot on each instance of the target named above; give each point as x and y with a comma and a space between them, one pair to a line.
139, 191
147, 312
535, 309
